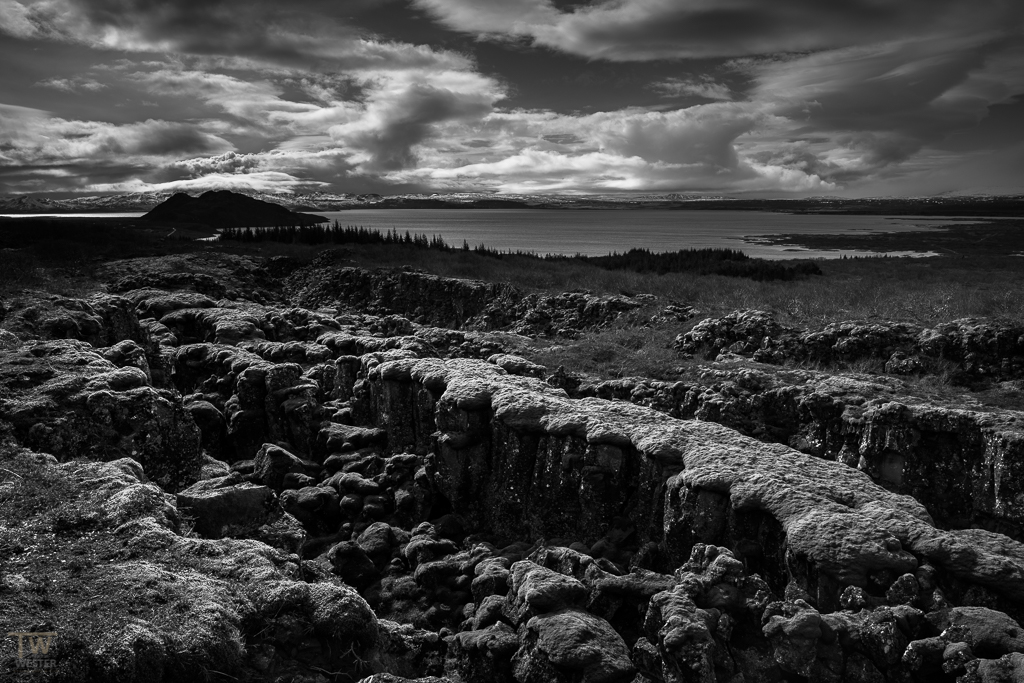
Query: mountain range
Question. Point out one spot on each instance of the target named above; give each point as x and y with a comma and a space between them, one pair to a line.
978, 204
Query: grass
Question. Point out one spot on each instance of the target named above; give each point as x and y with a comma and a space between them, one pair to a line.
924, 291
622, 350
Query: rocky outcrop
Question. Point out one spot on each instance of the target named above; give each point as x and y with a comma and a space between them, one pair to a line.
97, 558
368, 497
63, 398
101, 320
976, 348
453, 303
218, 276
963, 463
511, 447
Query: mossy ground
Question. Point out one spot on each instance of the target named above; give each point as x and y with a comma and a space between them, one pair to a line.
65, 569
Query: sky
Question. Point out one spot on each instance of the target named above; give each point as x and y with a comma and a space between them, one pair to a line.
767, 98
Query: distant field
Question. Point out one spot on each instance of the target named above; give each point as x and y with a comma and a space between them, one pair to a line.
922, 290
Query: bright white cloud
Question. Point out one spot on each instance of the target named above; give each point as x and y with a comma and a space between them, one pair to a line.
34, 137
263, 181
403, 111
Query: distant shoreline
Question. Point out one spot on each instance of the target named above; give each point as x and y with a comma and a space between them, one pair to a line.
776, 238
983, 207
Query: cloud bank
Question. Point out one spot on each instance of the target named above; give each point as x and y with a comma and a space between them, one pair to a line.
790, 96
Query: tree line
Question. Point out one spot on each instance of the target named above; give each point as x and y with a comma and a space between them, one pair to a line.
729, 262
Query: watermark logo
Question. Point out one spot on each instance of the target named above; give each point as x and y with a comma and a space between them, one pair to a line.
34, 655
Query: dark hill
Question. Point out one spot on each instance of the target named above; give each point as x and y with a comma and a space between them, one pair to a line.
224, 209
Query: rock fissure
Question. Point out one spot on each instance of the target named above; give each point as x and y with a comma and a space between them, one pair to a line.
296, 494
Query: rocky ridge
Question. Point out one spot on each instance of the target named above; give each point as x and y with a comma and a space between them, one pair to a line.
972, 348
303, 484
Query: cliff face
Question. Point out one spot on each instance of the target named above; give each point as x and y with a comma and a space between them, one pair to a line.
292, 491
971, 348
963, 463
453, 303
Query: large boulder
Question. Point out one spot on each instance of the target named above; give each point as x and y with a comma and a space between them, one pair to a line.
571, 645
226, 506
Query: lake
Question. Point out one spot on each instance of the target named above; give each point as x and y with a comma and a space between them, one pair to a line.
597, 232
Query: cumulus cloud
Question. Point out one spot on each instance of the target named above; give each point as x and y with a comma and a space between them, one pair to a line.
36, 144
401, 113
31, 136
633, 149
258, 101
15, 20
806, 96
544, 171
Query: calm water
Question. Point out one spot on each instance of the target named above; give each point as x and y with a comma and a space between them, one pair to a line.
596, 233
71, 215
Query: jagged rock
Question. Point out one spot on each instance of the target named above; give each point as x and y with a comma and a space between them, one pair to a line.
738, 332
101, 320
908, 445
211, 423
981, 348
154, 303
514, 365
538, 590
990, 634
620, 541
1006, 669
683, 635
404, 650
570, 645
127, 354
301, 352
271, 465
219, 325
351, 563
453, 303
491, 579
172, 607
379, 541
337, 438
226, 506
794, 630
315, 507
64, 398
730, 482
483, 656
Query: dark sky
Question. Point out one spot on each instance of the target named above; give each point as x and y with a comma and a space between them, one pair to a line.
761, 97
